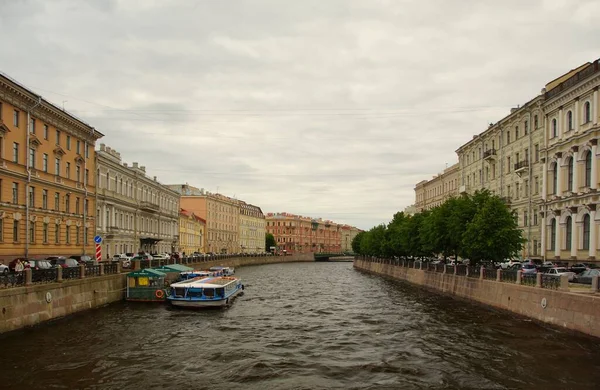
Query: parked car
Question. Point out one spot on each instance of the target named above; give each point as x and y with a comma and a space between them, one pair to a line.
160, 257
61, 261
586, 276
559, 271
86, 260
4, 269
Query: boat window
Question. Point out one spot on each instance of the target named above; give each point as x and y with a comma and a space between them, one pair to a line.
221, 292
179, 292
196, 293
209, 292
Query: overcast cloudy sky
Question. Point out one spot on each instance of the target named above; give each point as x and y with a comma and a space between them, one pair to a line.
325, 108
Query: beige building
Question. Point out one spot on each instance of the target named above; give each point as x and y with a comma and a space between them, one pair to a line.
221, 213
570, 165
252, 228
134, 212
191, 232
434, 192
348, 234
506, 160
47, 194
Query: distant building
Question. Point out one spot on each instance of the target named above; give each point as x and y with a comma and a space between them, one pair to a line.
434, 192
191, 232
134, 212
348, 234
252, 228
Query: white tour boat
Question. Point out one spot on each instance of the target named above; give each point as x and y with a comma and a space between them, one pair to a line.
205, 292
227, 271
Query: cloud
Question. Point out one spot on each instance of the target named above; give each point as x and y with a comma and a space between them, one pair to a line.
331, 109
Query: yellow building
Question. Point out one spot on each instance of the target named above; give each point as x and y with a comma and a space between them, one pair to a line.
570, 166
434, 192
191, 232
47, 194
252, 228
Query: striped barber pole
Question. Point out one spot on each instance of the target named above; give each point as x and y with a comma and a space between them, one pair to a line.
98, 252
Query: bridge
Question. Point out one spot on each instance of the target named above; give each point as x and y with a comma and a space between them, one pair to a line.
334, 256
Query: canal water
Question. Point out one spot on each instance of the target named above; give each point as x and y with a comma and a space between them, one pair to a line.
302, 326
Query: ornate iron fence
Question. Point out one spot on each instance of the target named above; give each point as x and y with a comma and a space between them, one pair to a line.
13, 279
44, 275
551, 282
473, 272
529, 279
92, 270
71, 273
110, 268
461, 269
489, 273
508, 276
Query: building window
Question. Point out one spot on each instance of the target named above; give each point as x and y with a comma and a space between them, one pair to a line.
15, 193
537, 152
68, 142
553, 235
68, 234
31, 196
87, 177
87, 150
570, 162
15, 152
16, 118
587, 112
77, 235
45, 131
569, 234
56, 201
16, 231
45, 199
507, 137
85, 206
56, 234
508, 160
569, 120
32, 125
554, 128
32, 158
525, 219
78, 147
31, 232
45, 233
535, 121
68, 170
86, 237
526, 127
77, 205
45, 162
586, 232
67, 203
57, 166
58, 137
588, 169
78, 173
535, 219
516, 132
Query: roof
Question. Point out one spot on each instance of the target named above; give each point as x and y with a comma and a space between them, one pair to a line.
218, 281
174, 268
146, 272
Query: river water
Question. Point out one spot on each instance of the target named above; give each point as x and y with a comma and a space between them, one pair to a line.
301, 326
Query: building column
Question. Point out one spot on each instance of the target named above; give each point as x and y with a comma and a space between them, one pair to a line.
559, 176
545, 180
574, 238
595, 107
543, 238
592, 252
557, 239
594, 183
560, 123
575, 174
576, 116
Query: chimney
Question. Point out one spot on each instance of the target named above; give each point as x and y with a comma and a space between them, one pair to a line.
135, 165
103, 147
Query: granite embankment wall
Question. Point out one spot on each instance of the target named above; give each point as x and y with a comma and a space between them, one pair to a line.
30, 305
575, 311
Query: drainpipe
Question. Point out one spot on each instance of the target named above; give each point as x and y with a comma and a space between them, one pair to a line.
544, 191
29, 129
85, 198
530, 169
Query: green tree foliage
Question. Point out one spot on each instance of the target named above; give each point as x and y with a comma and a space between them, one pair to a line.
479, 227
269, 241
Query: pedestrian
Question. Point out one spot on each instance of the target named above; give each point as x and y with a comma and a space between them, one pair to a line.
19, 266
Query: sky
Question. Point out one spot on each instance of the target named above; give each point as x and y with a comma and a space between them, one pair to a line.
322, 108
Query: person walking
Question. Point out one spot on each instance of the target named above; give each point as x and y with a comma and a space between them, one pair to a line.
19, 267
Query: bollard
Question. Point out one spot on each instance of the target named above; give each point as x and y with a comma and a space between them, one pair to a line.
519, 276
81, 271
594, 284
445, 269
455, 269
59, 274
467, 272
27, 272
481, 271
564, 283
498, 275
119, 265
101, 269
538, 280
421, 265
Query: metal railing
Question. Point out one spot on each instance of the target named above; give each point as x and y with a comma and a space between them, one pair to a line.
71, 273
473, 271
461, 269
489, 273
44, 275
92, 270
508, 276
13, 279
529, 279
110, 269
551, 282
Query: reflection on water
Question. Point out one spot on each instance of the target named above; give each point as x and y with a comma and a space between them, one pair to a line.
302, 326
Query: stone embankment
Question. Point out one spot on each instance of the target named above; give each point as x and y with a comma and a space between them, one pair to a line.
538, 298
32, 303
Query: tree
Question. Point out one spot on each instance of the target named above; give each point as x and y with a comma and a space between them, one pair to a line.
374, 241
493, 233
269, 241
356, 242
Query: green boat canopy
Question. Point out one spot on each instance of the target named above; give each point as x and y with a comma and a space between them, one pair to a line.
173, 268
149, 272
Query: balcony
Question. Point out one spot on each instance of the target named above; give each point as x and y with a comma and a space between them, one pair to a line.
522, 167
489, 155
113, 229
149, 206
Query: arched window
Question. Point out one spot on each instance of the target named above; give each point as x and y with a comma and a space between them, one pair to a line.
569, 120
555, 178
108, 181
588, 169
587, 112
586, 232
553, 235
569, 235
570, 162
554, 128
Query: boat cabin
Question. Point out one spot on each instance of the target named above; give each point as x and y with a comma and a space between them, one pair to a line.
146, 285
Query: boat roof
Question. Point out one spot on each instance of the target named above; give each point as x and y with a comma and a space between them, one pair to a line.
215, 282
174, 268
218, 267
146, 272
